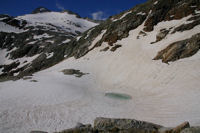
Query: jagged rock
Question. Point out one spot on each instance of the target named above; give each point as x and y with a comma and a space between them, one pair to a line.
191, 130
170, 10
177, 129
141, 33
105, 49
180, 127
23, 51
77, 73
114, 48
120, 29
188, 26
113, 125
180, 49
79, 129
163, 33
8, 68
40, 10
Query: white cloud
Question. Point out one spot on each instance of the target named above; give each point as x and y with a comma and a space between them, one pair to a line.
59, 6
97, 15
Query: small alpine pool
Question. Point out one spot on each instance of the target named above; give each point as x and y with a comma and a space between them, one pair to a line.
119, 96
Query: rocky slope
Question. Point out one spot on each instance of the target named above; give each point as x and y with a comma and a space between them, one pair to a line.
36, 41
149, 14
111, 125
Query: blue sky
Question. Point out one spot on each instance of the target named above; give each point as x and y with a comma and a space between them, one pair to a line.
98, 9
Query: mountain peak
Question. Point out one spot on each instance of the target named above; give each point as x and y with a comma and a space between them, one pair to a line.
40, 10
70, 12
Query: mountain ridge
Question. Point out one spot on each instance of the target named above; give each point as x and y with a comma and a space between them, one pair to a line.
33, 34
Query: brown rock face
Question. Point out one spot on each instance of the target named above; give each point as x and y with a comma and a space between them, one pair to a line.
124, 126
176, 129
161, 35
195, 21
114, 48
180, 49
180, 127
111, 125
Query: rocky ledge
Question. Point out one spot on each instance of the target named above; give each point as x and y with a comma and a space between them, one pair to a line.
109, 125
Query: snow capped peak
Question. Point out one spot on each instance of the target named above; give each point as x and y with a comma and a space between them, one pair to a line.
70, 12
40, 10
58, 21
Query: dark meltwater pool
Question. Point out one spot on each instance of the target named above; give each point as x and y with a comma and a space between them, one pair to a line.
119, 96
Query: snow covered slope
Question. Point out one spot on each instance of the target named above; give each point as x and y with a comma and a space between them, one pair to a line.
8, 28
161, 93
58, 21
116, 57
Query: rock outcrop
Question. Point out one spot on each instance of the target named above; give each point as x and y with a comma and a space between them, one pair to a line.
191, 130
104, 125
180, 49
41, 10
110, 125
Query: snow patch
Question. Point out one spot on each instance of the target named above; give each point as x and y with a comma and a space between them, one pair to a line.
9, 29
77, 38
49, 55
3, 18
1, 71
97, 39
197, 11
13, 49
88, 34
124, 15
45, 35
4, 59
33, 42
66, 41
50, 41
15, 74
42, 9
155, 3
141, 13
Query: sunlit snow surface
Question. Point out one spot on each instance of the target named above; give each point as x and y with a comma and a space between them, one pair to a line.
62, 20
7, 28
161, 93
